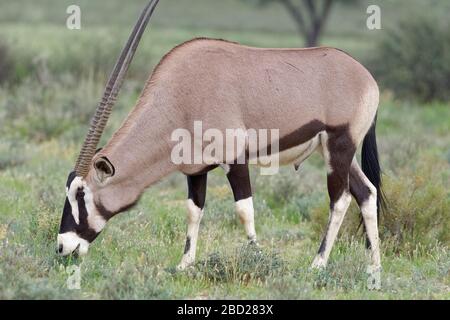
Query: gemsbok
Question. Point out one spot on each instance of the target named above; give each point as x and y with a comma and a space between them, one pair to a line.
317, 98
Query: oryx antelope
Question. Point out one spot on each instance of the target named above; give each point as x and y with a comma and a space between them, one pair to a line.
319, 99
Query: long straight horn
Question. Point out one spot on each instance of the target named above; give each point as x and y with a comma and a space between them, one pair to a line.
112, 89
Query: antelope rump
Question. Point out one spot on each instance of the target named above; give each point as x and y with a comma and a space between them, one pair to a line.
319, 99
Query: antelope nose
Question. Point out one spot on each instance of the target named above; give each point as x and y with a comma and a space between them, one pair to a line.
60, 248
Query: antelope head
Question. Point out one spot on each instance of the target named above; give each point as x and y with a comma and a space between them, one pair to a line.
86, 210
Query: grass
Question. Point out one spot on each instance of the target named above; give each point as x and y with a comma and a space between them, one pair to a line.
135, 255
44, 114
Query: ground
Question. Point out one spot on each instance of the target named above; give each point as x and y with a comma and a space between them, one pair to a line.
43, 119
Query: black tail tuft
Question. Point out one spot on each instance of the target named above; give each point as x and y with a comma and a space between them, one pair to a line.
371, 165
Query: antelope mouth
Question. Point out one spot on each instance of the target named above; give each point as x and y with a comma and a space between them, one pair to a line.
76, 252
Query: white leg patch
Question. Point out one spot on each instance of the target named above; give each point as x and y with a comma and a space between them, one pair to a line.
337, 215
319, 262
244, 209
194, 217
369, 213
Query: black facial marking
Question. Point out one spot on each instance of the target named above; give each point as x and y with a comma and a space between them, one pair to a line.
68, 223
107, 214
83, 230
72, 176
188, 245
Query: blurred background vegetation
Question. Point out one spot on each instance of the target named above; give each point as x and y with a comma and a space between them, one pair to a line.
51, 79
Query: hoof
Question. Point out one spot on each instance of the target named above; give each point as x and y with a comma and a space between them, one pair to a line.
318, 263
374, 277
253, 243
183, 266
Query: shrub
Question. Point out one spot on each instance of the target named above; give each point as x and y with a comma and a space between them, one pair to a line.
5, 63
247, 263
413, 60
56, 53
39, 112
11, 154
419, 208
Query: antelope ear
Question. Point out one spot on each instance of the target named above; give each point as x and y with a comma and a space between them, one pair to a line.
104, 169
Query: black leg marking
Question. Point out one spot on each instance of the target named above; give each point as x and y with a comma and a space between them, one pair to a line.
342, 151
197, 189
360, 191
188, 245
322, 245
239, 179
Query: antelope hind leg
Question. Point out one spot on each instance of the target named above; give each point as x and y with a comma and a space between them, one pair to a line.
365, 195
338, 152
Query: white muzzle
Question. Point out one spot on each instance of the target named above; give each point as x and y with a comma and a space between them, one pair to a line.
70, 242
